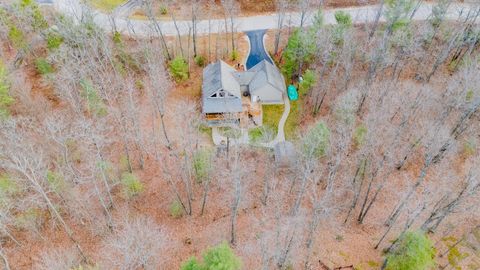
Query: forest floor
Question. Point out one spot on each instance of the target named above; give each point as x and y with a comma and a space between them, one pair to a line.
337, 244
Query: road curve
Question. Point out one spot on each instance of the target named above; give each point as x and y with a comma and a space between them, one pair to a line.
141, 28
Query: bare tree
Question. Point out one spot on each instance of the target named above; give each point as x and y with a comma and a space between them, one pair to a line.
159, 86
282, 7
148, 6
58, 259
16, 153
231, 10
237, 178
136, 243
178, 167
450, 203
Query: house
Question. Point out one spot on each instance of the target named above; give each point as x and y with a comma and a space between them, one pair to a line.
231, 97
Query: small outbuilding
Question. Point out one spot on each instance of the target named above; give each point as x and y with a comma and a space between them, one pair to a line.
285, 154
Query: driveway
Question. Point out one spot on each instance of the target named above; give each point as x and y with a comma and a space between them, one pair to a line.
257, 48
141, 28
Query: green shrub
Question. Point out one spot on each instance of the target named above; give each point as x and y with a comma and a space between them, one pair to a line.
17, 38
316, 141
202, 164
139, 85
300, 49
469, 147
131, 185
360, 135
343, 18
56, 181
117, 38
309, 79
25, 3
413, 251
397, 13
95, 103
469, 95
191, 264
455, 256
5, 99
255, 134
205, 129
7, 186
400, 24
54, 41
200, 60
43, 67
261, 134
176, 209
344, 21
179, 68
234, 55
39, 22
127, 61
220, 257
163, 10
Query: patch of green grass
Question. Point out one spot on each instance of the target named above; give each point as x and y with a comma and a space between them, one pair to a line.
131, 185
273, 113
271, 116
176, 209
206, 130
261, 134
255, 134
106, 5
43, 67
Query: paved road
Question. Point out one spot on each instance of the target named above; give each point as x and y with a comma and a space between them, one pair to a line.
257, 48
243, 24
127, 8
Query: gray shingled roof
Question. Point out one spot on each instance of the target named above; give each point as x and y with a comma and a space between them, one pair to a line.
220, 76
244, 77
267, 73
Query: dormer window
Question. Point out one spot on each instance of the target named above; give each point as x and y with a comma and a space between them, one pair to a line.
222, 94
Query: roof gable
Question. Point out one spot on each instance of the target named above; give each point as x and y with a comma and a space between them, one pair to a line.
217, 77
266, 73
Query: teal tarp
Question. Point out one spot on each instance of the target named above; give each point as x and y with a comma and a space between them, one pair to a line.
292, 92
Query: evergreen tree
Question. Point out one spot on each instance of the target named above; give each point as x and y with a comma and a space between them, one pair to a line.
413, 251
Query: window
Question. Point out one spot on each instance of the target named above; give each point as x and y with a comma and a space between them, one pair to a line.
222, 94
